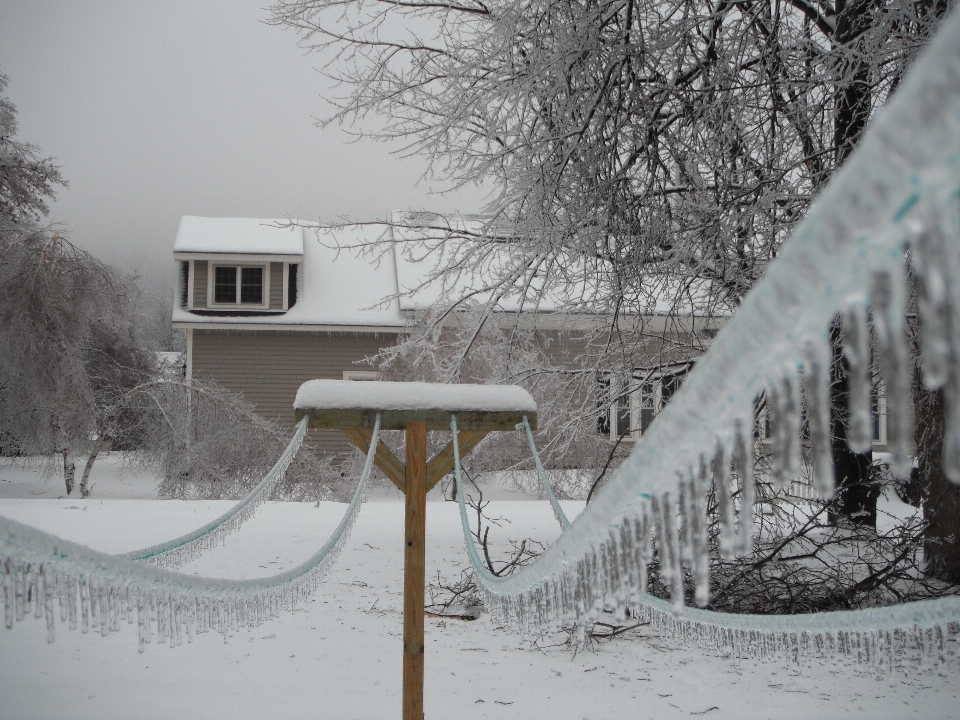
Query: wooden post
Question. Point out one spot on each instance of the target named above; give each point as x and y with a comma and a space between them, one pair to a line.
414, 574
414, 478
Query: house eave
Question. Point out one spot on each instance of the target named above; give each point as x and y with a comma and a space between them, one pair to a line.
292, 327
238, 257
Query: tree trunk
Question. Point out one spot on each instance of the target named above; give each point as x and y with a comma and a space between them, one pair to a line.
941, 498
856, 500
853, 94
84, 479
857, 492
69, 469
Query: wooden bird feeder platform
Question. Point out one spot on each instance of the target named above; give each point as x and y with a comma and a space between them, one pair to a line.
352, 407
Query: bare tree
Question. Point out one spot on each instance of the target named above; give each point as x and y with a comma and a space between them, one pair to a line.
651, 156
69, 334
69, 344
27, 181
209, 443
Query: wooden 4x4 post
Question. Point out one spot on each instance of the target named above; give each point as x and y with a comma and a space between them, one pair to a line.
352, 407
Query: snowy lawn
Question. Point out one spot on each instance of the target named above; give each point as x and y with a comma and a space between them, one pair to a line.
339, 656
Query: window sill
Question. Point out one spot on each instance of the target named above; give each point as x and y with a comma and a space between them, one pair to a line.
235, 311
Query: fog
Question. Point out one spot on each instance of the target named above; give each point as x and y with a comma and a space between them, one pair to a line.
160, 109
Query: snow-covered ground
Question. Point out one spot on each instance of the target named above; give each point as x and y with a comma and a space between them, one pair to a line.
339, 655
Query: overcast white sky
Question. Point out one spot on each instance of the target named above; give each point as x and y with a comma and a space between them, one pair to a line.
162, 108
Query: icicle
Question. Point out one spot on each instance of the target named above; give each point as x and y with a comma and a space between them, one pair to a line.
63, 585
856, 349
725, 505
816, 392
684, 523
671, 573
743, 464
699, 487
37, 592
49, 580
103, 611
784, 407
142, 620
644, 553
929, 259
627, 570
113, 605
73, 590
93, 584
85, 605
20, 590
886, 293
9, 590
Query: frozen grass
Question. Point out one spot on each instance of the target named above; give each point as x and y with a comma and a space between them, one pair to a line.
339, 656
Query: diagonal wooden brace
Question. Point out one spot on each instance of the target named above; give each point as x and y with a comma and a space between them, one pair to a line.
391, 466
442, 462
384, 459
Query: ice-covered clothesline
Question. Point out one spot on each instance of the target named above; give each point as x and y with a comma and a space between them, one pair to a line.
97, 590
179, 551
883, 636
557, 510
901, 186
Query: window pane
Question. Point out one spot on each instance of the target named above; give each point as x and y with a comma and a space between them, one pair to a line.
623, 415
603, 407
225, 285
646, 406
668, 386
251, 285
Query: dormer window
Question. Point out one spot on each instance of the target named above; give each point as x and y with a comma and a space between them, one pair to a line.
238, 285
237, 266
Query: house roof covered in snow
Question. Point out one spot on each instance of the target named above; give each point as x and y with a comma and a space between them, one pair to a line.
237, 236
338, 286
430, 248
349, 278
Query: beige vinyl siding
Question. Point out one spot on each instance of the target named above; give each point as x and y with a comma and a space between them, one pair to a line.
268, 367
199, 283
276, 286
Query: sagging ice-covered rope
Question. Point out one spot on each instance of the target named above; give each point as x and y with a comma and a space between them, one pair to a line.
881, 636
557, 510
38, 568
823, 633
847, 257
179, 551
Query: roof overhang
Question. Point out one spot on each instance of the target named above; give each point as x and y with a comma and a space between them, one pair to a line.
291, 327
238, 257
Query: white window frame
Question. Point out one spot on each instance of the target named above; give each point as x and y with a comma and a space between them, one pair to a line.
636, 400
212, 265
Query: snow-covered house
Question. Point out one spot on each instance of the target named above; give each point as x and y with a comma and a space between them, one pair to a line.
267, 305
264, 310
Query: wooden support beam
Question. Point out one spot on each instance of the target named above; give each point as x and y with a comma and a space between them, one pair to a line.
414, 573
364, 418
388, 463
442, 462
